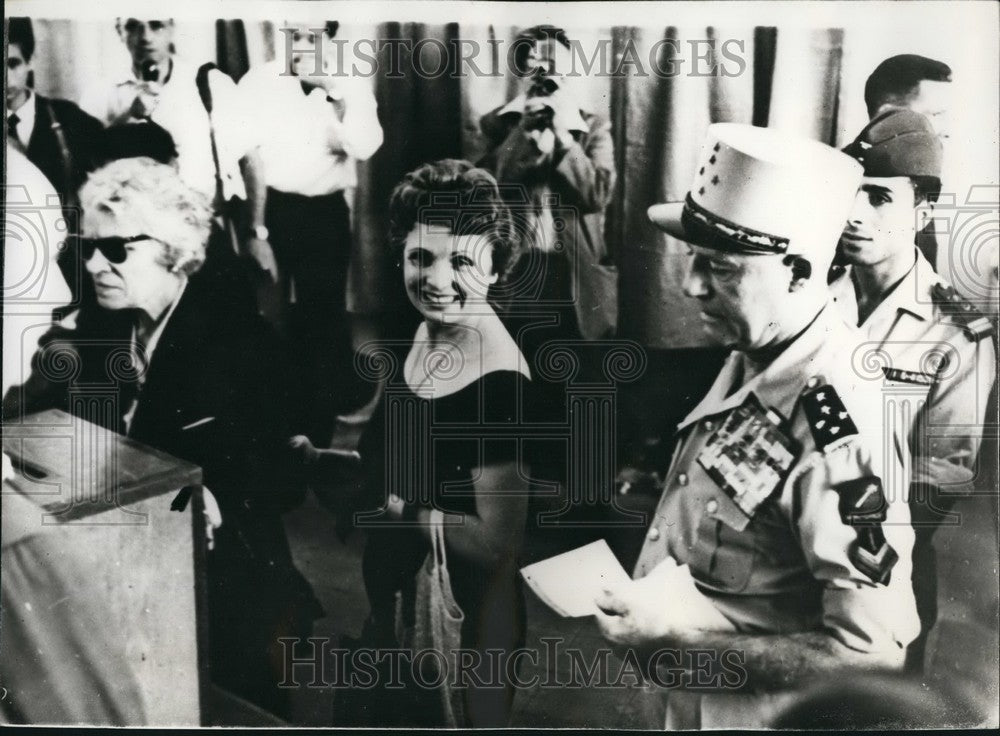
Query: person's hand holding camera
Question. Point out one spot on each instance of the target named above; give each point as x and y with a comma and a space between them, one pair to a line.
548, 110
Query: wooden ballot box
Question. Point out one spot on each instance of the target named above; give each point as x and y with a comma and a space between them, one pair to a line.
132, 518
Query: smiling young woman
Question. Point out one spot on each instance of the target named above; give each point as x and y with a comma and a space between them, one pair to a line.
462, 374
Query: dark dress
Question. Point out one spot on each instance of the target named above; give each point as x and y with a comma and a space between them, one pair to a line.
425, 451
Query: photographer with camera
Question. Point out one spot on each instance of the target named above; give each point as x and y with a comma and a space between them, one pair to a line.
557, 159
554, 162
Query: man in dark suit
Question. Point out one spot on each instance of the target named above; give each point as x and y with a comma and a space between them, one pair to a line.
63, 141
56, 135
189, 372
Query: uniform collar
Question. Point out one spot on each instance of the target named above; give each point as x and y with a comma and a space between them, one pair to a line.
912, 295
778, 386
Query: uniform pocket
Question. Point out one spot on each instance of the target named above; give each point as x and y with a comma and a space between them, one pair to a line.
723, 557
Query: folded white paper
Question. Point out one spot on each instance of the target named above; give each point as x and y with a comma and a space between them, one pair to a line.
569, 583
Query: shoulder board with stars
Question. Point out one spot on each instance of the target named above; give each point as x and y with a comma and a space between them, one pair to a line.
828, 419
953, 305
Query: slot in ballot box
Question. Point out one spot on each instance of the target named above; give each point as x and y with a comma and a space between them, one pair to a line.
131, 519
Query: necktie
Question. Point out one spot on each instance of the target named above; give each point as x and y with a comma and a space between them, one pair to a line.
12, 121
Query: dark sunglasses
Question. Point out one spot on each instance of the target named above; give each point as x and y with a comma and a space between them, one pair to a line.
113, 248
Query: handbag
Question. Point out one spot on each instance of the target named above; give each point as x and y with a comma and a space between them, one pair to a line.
436, 621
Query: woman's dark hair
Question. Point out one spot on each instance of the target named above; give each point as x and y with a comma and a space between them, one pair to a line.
454, 193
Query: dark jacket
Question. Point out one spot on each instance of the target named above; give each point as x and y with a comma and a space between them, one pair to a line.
84, 141
583, 178
214, 394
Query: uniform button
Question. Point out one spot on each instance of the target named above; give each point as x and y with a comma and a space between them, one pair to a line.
812, 382
682, 479
709, 425
712, 506
654, 534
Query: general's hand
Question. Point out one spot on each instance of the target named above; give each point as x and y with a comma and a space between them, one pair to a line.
633, 615
261, 252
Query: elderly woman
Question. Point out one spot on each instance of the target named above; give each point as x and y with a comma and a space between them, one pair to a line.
443, 435
205, 384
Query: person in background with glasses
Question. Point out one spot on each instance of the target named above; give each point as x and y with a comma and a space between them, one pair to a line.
217, 153
197, 377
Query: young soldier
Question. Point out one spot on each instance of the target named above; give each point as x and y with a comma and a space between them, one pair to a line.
927, 343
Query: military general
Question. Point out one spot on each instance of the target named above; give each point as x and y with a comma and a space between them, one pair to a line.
785, 501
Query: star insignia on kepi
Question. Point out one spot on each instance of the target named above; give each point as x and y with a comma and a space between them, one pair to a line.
712, 159
717, 147
715, 179
701, 190
701, 171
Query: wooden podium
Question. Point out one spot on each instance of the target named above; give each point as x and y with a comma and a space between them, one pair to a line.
133, 516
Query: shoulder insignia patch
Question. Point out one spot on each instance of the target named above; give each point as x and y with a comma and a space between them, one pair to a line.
960, 312
862, 500
873, 555
828, 419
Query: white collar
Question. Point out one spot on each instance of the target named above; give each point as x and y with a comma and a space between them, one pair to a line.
912, 295
777, 386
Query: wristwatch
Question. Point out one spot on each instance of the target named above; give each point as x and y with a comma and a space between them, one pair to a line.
260, 232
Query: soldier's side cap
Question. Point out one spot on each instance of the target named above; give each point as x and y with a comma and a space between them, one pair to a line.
760, 190
898, 142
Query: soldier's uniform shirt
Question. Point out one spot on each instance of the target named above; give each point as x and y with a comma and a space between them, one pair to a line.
789, 567
929, 352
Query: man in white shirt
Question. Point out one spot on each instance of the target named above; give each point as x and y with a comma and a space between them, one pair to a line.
314, 128
216, 154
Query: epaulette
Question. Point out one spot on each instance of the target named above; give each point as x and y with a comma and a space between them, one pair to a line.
828, 419
960, 312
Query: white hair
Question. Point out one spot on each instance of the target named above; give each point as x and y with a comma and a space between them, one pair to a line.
169, 210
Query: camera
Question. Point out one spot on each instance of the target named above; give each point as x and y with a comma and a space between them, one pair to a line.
537, 114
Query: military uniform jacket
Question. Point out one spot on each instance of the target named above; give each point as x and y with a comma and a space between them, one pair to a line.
932, 355
791, 566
